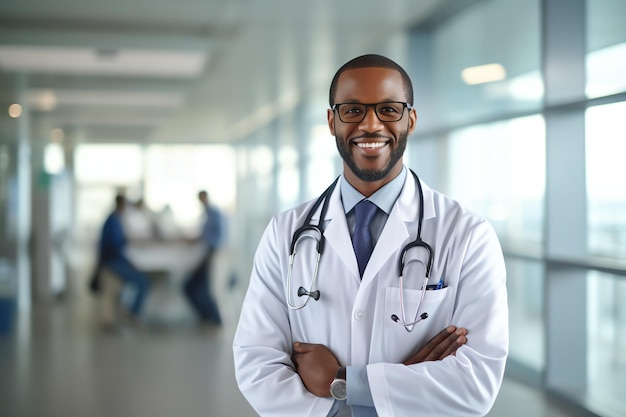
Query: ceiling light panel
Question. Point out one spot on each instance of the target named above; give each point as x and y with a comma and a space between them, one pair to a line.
89, 61
88, 98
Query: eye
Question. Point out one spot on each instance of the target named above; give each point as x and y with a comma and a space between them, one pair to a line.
352, 109
388, 108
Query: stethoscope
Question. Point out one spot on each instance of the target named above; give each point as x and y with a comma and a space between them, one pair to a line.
316, 232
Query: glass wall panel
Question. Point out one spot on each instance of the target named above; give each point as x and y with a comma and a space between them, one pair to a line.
525, 284
100, 172
113, 164
288, 177
323, 160
427, 158
606, 179
498, 171
606, 47
7, 197
606, 332
174, 175
258, 201
487, 61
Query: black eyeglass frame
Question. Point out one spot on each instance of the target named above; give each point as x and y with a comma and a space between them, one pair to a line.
405, 105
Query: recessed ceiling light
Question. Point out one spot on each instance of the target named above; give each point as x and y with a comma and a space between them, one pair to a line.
482, 74
15, 110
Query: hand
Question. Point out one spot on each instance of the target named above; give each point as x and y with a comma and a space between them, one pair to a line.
316, 365
445, 343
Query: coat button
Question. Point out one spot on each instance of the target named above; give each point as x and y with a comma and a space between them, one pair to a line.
359, 315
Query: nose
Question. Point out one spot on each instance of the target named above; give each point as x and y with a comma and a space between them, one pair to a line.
371, 122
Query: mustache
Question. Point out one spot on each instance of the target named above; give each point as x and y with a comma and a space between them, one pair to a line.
372, 136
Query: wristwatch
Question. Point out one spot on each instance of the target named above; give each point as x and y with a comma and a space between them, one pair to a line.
338, 386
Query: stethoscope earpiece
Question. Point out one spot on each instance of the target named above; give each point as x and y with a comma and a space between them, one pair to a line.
423, 316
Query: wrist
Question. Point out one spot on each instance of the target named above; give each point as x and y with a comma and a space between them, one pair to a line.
338, 389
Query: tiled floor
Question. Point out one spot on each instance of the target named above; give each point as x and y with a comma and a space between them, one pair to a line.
58, 363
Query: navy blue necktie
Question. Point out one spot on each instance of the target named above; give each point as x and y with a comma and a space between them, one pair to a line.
362, 240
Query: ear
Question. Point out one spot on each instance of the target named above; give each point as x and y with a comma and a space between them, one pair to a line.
412, 120
330, 115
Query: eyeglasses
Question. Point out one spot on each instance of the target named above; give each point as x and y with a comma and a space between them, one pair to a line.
388, 111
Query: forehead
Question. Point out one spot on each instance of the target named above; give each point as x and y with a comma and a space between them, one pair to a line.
370, 85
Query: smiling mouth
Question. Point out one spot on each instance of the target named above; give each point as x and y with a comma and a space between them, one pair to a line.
371, 145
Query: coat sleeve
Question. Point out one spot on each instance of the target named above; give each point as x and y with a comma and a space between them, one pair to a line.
263, 344
466, 384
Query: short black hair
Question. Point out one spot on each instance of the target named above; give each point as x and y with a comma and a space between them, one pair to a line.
120, 200
372, 61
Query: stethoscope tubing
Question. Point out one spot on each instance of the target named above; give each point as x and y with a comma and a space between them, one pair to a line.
318, 229
321, 240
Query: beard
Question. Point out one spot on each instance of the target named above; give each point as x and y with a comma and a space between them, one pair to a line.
371, 175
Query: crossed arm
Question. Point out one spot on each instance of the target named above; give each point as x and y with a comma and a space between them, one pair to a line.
317, 365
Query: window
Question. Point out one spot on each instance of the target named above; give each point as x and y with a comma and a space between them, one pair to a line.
606, 179
494, 70
498, 171
606, 47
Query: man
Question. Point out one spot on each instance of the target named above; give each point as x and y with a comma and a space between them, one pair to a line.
111, 255
197, 287
369, 332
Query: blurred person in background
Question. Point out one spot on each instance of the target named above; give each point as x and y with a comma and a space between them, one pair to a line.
111, 255
355, 338
197, 285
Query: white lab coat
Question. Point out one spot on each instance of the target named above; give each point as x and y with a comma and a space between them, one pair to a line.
353, 316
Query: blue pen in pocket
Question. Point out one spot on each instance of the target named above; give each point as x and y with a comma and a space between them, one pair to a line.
436, 286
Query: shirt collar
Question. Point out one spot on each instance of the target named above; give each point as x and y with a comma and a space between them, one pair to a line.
384, 198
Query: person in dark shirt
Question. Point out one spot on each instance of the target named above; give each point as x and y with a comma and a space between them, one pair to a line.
197, 286
111, 255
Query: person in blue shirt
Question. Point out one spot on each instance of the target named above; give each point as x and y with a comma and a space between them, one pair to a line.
197, 286
111, 255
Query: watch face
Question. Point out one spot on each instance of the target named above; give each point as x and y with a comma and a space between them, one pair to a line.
338, 389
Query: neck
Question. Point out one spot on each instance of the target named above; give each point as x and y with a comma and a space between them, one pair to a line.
367, 188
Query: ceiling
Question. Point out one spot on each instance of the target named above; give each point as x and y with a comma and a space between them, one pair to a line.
187, 71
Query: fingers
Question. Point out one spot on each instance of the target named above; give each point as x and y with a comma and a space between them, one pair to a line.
434, 342
460, 341
448, 345
443, 344
421, 355
441, 336
300, 347
316, 365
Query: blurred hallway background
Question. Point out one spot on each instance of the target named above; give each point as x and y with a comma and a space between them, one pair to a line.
521, 110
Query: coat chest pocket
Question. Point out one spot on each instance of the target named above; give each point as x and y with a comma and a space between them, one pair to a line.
398, 343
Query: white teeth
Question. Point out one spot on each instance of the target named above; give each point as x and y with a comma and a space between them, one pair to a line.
371, 145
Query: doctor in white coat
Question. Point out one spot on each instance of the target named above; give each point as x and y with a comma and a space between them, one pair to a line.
358, 336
